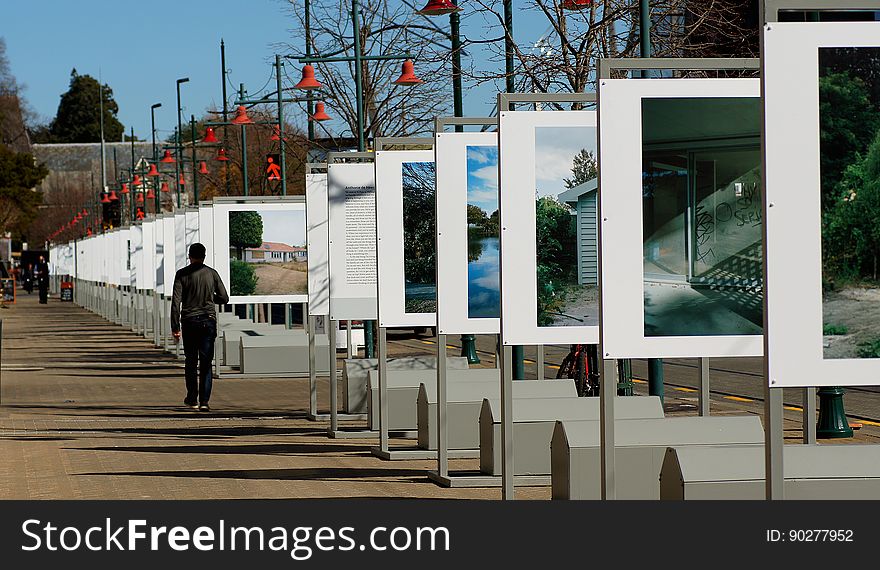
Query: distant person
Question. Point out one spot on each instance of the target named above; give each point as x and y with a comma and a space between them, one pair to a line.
27, 278
197, 289
41, 274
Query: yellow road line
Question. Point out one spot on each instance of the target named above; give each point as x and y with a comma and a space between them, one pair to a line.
793, 408
868, 422
685, 389
738, 399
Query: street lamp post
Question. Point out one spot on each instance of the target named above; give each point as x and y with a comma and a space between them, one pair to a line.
153, 108
179, 126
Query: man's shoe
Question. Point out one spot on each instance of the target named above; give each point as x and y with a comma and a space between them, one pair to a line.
204, 408
192, 405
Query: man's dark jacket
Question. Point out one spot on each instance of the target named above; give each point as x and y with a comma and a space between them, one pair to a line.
198, 288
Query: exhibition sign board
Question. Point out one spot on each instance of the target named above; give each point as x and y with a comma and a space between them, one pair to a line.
317, 239
180, 245
206, 232
681, 218
260, 250
170, 245
821, 180
406, 241
545, 298
352, 228
468, 261
146, 269
159, 255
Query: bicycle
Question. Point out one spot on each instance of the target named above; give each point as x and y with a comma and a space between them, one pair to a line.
582, 364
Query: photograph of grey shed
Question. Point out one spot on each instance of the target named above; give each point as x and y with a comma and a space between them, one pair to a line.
583, 199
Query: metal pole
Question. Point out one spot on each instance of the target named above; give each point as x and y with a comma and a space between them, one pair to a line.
244, 166
442, 431
809, 416
281, 148
225, 107
192, 123
607, 392
309, 105
313, 374
103, 161
177, 163
133, 190
331, 333
704, 387
358, 71
508, 46
507, 463
383, 390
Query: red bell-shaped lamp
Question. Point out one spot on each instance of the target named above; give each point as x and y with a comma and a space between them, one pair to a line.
408, 75
221, 155
167, 157
276, 134
150, 194
241, 117
125, 189
209, 136
140, 198
320, 114
79, 216
164, 187
155, 171
438, 8
576, 4
104, 198
137, 180
113, 196
203, 168
308, 80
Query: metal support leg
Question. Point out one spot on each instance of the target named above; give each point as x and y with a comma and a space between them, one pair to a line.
704, 386
507, 472
383, 390
288, 317
607, 391
348, 344
313, 373
156, 318
539, 362
442, 432
774, 440
809, 416
334, 420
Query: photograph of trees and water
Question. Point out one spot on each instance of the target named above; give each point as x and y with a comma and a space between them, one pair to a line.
267, 253
702, 216
419, 240
849, 122
484, 294
565, 188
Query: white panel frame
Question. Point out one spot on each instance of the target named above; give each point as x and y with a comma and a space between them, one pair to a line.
620, 224
181, 249
148, 256
206, 232
389, 239
348, 301
221, 245
450, 151
793, 320
136, 248
121, 256
318, 243
516, 200
159, 257
169, 242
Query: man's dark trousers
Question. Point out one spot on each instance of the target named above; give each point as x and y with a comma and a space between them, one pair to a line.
198, 347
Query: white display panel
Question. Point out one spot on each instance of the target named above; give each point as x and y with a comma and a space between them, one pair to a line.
135, 249
468, 290
205, 232
276, 269
121, 257
146, 270
318, 239
680, 218
180, 246
352, 225
799, 353
536, 153
159, 255
170, 253
405, 269
112, 255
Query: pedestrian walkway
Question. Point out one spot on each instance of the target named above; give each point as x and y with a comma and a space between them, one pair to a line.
89, 410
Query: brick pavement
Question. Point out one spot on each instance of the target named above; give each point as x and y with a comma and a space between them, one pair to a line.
88, 410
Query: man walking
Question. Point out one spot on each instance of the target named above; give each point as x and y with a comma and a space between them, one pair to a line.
198, 289
41, 273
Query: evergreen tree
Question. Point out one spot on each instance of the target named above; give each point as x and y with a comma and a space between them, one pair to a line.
583, 169
78, 119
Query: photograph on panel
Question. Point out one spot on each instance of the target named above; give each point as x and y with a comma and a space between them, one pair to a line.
419, 240
267, 252
702, 216
484, 287
849, 164
566, 233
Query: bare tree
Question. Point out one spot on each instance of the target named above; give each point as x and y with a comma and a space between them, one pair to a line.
389, 110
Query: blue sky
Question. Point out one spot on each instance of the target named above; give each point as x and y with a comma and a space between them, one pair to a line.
141, 49
555, 149
284, 227
482, 177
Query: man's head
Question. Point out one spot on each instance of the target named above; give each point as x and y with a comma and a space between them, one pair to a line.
197, 253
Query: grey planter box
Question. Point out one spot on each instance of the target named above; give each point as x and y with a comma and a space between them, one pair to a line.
533, 424
231, 339
355, 373
826, 472
403, 393
464, 401
640, 447
283, 354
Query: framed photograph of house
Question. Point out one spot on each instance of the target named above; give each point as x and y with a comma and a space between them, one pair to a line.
468, 233
549, 283
822, 133
406, 238
681, 218
204, 231
260, 250
351, 221
318, 243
